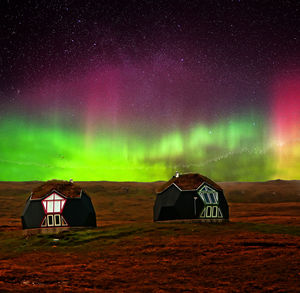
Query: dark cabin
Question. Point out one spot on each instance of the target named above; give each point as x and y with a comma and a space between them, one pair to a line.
57, 204
190, 196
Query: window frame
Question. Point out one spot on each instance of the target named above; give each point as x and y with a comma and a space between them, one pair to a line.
50, 204
208, 195
53, 206
210, 198
55, 217
208, 208
48, 217
214, 211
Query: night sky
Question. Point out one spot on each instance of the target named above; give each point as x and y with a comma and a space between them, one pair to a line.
100, 90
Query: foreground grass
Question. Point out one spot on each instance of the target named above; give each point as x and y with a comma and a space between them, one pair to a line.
16, 242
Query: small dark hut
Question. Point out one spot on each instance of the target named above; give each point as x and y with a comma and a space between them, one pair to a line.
190, 196
56, 204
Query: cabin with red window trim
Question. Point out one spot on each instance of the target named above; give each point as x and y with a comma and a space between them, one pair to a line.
58, 203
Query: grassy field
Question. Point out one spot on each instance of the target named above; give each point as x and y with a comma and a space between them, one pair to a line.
257, 251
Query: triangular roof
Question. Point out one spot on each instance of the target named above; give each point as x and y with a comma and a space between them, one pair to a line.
189, 181
66, 188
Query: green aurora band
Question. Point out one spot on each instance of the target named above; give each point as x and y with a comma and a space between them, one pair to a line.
227, 150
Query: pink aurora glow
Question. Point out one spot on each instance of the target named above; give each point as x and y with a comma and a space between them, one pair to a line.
286, 110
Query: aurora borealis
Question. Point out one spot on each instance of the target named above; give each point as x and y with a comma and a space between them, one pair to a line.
103, 91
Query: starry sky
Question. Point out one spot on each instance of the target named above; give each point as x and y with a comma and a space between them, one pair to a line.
135, 90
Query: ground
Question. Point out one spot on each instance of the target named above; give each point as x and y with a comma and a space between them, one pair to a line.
257, 251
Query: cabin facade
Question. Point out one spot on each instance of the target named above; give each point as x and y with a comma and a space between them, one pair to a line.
190, 196
58, 204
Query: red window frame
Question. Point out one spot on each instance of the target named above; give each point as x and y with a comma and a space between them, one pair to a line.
45, 207
46, 201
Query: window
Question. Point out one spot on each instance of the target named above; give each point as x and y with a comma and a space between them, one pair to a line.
211, 212
208, 212
215, 211
50, 220
57, 220
54, 203
208, 195
210, 199
53, 206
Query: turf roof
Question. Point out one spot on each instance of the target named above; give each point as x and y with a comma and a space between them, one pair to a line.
189, 181
68, 189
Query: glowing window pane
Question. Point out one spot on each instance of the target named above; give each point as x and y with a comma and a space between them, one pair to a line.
54, 203
57, 206
50, 207
50, 197
58, 197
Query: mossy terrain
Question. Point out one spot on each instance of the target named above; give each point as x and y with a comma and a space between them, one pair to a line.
15, 242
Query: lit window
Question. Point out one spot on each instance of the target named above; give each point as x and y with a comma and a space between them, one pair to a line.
54, 203
53, 206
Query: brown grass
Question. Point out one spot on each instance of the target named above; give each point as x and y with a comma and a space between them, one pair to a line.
258, 251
